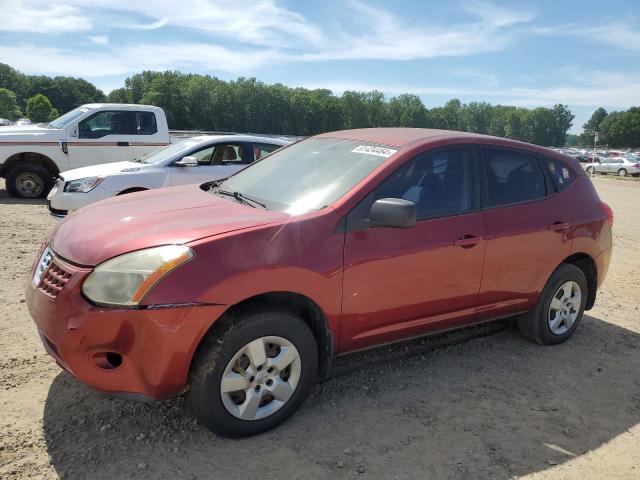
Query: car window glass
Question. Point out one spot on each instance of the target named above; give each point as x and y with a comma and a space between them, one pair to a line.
438, 183
104, 123
145, 123
512, 177
228, 154
561, 175
262, 149
204, 155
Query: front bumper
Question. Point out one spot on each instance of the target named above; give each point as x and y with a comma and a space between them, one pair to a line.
61, 203
155, 344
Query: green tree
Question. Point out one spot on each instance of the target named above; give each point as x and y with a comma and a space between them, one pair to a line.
9, 105
39, 109
592, 126
622, 129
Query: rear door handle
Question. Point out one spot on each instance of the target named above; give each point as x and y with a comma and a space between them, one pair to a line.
467, 241
123, 144
557, 226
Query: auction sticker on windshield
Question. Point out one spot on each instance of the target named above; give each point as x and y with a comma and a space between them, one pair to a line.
373, 150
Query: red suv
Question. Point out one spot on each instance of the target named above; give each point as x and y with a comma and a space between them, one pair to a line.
244, 289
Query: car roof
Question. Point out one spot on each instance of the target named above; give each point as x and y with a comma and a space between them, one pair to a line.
238, 138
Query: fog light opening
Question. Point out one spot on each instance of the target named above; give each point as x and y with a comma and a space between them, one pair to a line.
107, 360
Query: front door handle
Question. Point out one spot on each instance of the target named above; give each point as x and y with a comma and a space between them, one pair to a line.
467, 241
123, 144
558, 226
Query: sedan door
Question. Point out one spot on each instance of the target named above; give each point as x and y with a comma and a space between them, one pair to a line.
400, 283
527, 228
214, 162
103, 137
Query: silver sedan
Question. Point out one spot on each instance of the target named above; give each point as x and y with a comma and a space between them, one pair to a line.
623, 166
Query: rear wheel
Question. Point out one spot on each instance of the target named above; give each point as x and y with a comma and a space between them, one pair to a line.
29, 181
252, 374
559, 308
622, 172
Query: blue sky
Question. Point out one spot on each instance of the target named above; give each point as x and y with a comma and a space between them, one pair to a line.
582, 53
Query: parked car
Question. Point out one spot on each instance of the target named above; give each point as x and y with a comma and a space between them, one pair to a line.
32, 155
4, 122
623, 166
244, 290
195, 160
23, 121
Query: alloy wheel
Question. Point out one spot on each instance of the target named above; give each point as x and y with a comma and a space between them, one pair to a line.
564, 307
260, 378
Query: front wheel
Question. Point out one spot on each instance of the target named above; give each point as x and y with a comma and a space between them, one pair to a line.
622, 172
254, 372
559, 308
590, 170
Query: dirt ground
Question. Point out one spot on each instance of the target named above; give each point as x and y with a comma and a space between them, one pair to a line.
482, 403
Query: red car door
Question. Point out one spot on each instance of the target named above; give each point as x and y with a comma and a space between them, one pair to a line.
527, 226
400, 283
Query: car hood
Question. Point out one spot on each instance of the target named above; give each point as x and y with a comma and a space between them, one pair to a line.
103, 170
163, 216
30, 133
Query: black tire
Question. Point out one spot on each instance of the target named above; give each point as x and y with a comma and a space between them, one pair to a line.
220, 346
42, 178
622, 172
534, 325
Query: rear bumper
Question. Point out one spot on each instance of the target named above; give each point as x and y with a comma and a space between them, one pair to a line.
155, 344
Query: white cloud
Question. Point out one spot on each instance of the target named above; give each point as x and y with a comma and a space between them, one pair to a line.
99, 39
618, 35
38, 17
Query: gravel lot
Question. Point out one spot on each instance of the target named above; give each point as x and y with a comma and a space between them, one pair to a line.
482, 403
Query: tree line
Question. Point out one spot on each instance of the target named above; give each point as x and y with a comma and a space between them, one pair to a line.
614, 129
203, 102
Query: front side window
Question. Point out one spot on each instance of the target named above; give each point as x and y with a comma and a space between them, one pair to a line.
308, 175
512, 177
561, 175
438, 183
230, 154
105, 123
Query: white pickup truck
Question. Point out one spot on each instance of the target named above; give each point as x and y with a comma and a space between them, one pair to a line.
32, 155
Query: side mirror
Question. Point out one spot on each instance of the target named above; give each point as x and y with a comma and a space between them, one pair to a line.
393, 213
73, 131
187, 162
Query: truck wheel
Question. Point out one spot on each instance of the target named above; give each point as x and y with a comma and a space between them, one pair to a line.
29, 181
559, 308
253, 372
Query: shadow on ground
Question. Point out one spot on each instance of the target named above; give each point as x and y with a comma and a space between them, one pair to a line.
6, 199
493, 406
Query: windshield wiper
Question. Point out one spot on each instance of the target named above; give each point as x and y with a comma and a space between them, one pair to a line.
241, 198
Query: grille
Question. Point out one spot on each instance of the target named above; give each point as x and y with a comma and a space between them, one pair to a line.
54, 279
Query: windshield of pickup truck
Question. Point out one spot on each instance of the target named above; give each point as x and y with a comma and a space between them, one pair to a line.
308, 175
67, 118
166, 153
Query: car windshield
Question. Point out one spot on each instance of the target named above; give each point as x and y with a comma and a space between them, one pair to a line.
166, 153
67, 118
308, 175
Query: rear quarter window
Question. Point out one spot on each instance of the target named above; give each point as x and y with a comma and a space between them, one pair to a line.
561, 175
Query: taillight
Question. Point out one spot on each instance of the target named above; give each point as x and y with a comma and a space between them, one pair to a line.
637, 165
606, 209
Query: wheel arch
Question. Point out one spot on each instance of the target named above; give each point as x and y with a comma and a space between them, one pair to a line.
33, 158
588, 266
299, 304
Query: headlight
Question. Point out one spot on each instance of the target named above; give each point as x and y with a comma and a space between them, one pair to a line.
83, 185
126, 279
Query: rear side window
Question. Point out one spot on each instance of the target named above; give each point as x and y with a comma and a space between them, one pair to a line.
512, 177
561, 175
262, 149
145, 123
